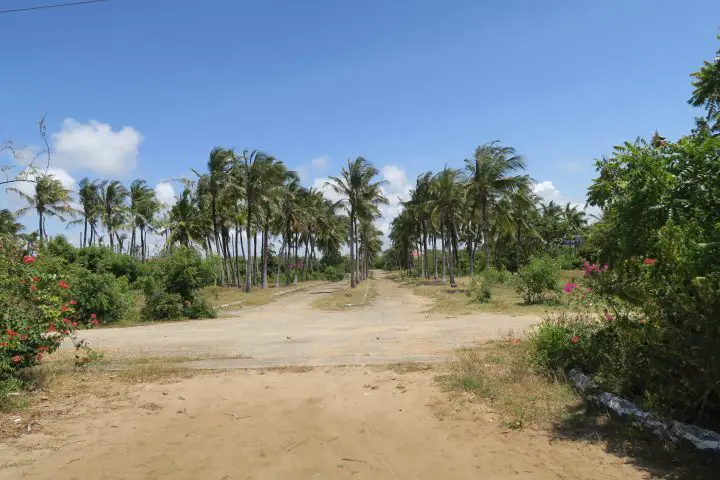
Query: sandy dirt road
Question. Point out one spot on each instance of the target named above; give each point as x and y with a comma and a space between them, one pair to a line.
329, 423
397, 327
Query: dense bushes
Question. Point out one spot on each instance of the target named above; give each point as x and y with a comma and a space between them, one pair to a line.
107, 296
333, 274
537, 278
172, 283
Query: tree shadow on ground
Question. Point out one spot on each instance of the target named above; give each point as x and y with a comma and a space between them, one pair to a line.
637, 447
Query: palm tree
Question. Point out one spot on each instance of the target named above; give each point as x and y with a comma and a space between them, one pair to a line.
492, 173
112, 196
522, 209
50, 199
359, 193
446, 207
8, 224
144, 205
184, 220
89, 203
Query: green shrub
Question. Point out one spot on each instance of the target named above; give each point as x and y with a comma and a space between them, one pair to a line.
171, 285
495, 276
107, 296
540, 276
120, 265
479, 289
333, 274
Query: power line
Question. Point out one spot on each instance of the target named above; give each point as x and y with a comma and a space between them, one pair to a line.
56, 5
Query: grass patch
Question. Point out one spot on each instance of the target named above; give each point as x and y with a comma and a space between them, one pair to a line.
358, 297
409, 367
218, 296
500, 373
454, 301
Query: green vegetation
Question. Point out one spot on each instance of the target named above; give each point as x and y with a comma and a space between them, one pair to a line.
655, 339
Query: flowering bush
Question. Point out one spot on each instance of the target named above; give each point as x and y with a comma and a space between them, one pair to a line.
38, 310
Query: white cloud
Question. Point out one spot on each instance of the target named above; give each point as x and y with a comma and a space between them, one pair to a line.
96, 146
549, 192
319, 162
165, 193
67, 180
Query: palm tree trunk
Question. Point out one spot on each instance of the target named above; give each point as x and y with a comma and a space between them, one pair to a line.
295, 279
435, 258
353, 282
426, 268
305, 258
84, 242
255, 258
486, 237
279, 261
265, 256
453, 257
517, 250
237, 251
442, 245
248, 262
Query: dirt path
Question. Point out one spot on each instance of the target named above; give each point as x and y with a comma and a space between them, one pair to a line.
397, 327
332, 423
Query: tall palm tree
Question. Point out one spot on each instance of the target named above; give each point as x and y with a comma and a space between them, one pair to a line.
8, 223
494, 171
49, 199
522, 210
184, 221
144, 205
89, 208
359, 192
446, 207
112, 196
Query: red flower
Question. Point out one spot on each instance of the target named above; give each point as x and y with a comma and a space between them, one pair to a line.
28, 259
11, 332
95, 322
33, 287
66, 321
43, 348
23, 337
74, 324
64, 285
93, 316
51, 328
73, 302
39, 356
66, 332
4, 344
574, 339
16, 359
64, 308
35, 279
650, 261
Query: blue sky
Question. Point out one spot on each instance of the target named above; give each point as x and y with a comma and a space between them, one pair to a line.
410, 85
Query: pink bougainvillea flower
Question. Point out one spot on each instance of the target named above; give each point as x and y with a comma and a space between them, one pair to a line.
11, 332
95, 322
64, 308
35, 279
33, 288
66, 321
93, 316
575, 339
569, 287
650, 261
51, 328
63, 284
28, 259
43, 348
74, 324
16, 359
39, 356
608, 316
73, 302
66, 332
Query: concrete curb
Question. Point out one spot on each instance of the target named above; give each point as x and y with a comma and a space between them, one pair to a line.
700, 439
